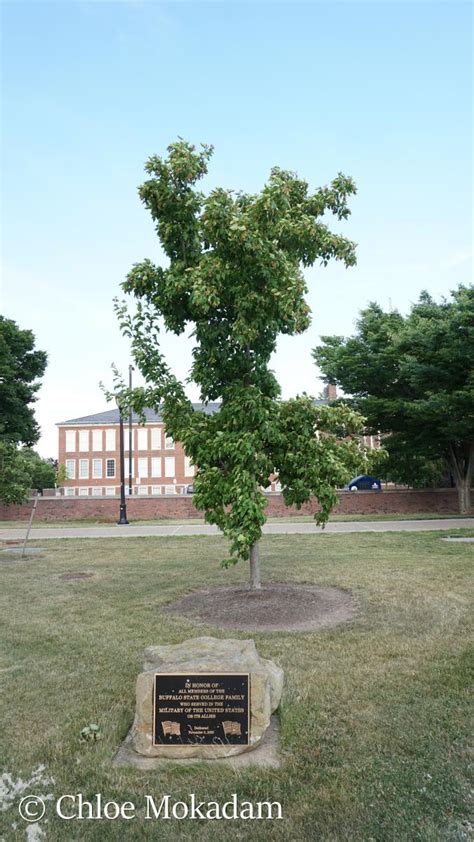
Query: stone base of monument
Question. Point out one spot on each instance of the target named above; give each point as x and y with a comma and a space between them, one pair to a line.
204, 699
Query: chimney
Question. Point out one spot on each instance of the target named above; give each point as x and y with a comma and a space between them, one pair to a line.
330, 392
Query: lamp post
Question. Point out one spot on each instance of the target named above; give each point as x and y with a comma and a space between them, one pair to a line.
122, 521
130, 434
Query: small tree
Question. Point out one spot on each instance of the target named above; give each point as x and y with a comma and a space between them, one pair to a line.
22, 469
235, 275
61, 474
43, 471
413, 379
15, 474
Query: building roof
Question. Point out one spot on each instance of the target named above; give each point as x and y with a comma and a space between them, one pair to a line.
111, 416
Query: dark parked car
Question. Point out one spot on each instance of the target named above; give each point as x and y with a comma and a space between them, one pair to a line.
364, 483
189, 489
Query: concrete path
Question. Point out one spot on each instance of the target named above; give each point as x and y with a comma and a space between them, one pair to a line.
114, 531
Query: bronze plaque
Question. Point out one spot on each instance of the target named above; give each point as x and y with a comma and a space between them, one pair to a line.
201, 709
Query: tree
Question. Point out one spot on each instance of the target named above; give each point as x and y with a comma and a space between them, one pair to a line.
15, 474
22, 469
235, 276
43, 471
21, 366
412, 377
407, 468
61, 473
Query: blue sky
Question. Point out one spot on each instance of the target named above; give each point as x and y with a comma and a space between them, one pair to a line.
90, 90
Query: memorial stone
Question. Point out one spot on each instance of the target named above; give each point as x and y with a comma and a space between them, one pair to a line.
205, 697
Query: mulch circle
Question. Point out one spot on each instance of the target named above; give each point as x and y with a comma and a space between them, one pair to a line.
276, 607
69, 577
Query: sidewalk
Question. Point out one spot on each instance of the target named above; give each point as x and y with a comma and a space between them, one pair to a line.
131, 531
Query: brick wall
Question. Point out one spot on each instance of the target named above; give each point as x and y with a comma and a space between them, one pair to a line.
393, 501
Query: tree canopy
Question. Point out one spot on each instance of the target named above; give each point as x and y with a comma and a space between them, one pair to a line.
413, 379
21, 366
234, 275
15, 474
22, 469
44, 472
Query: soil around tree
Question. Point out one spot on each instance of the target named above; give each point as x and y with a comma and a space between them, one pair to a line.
276, 607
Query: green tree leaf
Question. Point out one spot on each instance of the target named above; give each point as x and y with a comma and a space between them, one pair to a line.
413, 379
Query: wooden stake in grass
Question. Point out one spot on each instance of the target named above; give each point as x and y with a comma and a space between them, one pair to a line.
33, 510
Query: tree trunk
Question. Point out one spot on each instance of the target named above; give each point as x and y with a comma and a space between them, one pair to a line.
255, 584
464, 496
462, 464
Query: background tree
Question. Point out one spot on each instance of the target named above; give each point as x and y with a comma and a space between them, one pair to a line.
22, 469
412, 377
43, 471
15, 474
61, 473
407, 467
21, 366
235, 276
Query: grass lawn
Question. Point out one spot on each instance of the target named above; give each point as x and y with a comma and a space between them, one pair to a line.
22, 524
374, 717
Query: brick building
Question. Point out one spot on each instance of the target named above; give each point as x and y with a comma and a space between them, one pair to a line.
89, 448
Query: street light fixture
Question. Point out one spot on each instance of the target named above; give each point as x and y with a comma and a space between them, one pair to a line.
130, 434
122, 521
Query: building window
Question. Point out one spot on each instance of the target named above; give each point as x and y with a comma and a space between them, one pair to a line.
96, 440
142, 490
110, 490
110, 439
189, 469
155, 438
142, 439
126, 438
70, 441
169, 443
83, 440
110, 469
156, 489
83, 469
97, 491
170, 489
142, 468
156, 466
71, 468
169, 466
97, 468
83, 492
70, 492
